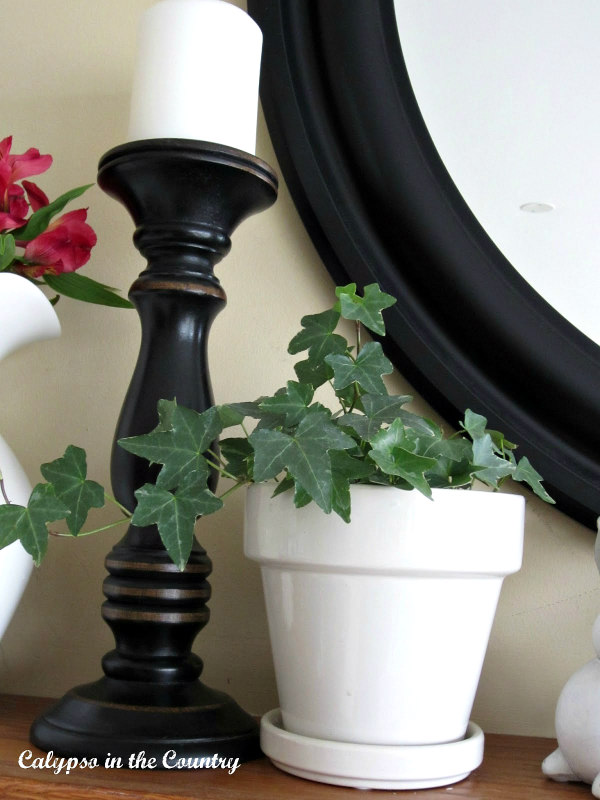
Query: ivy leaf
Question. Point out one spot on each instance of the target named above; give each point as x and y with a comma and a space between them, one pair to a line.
393, 454
318, 336
345, 470
293, 404
456, 450
366, 370
175, 513
9, 519
229, 416
235, 413
7, 250
165, 409
180, 449
315, 373
270, 452
365, 309
501, 445
526, 473
453, 463
319, 339
68, 476
305, 454
382, 409
40, 219
239, 456
301, 496
474, 424
364, 427
284, 485
29, 523
248, 409
492, 468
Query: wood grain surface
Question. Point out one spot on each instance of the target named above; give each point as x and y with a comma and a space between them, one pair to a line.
510, 771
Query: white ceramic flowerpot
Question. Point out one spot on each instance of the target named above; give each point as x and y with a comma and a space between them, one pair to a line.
379, 628
26, 316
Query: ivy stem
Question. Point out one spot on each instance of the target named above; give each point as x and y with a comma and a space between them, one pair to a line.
220, 469
358, 342
115, 502
354, 398
217, 457
3, 489
340, 400
88, 533
233, 488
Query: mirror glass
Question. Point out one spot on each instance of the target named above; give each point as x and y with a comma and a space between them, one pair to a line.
509, 93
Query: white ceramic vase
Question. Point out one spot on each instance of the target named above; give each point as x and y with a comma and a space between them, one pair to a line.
577, 720
379, 629
26, 316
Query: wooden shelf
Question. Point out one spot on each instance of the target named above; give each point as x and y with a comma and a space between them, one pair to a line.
511, 769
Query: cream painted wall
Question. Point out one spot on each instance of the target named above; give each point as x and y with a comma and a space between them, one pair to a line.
65, 91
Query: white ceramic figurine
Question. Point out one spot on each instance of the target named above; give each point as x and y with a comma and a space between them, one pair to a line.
578, 720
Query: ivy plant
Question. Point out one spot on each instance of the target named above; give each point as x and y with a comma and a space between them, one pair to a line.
305, 447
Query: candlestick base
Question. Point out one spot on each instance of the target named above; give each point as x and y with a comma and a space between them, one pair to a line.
192, 720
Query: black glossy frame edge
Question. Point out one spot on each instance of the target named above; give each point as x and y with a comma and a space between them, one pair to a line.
379, 205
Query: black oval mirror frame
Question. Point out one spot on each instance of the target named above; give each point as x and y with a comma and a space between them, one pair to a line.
379, 205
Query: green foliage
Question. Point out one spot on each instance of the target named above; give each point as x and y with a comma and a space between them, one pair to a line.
364, 371
67, 495
178, 443
80, 287
366, 309
318, 453
40, 219
7, 250
175, 513
303, 452
315, 452
28, 523
67, 475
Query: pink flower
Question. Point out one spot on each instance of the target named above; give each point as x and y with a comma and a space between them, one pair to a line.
16, 209
37, 198
13, 206
15, 168
63, 247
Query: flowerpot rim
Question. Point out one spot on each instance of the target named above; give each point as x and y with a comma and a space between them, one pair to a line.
391, 531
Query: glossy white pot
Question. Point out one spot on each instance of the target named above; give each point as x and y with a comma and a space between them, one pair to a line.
379, 628
26, 316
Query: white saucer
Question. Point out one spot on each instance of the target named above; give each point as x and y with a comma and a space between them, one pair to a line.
370, 766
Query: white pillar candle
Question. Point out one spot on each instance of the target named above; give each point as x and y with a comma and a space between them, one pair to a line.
197, 73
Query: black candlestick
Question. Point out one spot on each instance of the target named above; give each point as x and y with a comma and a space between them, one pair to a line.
185, 198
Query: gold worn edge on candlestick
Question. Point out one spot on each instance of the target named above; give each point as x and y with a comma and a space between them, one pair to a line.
165, 593
138, 615
162, 285
213, 152
154, 566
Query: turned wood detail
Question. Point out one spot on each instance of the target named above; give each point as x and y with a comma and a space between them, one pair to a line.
185, 202
185, 199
